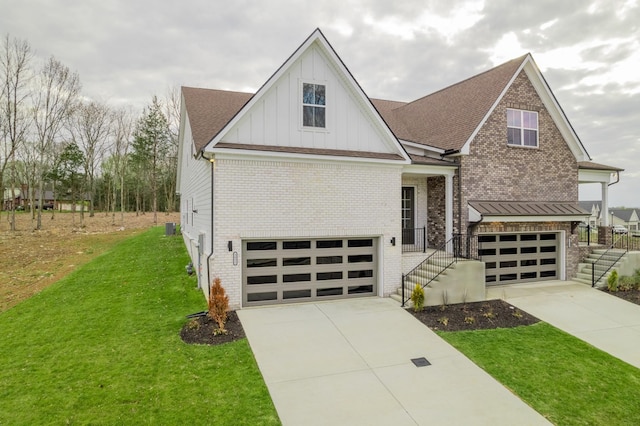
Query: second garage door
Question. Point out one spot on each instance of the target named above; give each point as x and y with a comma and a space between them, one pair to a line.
284, 271
517, 258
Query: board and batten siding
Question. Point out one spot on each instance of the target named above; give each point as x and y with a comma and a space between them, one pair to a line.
276, 118
277, 199
195, 204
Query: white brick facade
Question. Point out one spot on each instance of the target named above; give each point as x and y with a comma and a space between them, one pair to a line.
257, 199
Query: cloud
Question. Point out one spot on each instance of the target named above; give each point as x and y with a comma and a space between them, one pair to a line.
127, 51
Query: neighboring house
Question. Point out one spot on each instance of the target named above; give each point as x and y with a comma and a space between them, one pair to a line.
12, 198
309, 190
627, 217
22, 198
593, 207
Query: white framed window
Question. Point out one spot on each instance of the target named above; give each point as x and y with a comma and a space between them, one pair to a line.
522, 128
314, 104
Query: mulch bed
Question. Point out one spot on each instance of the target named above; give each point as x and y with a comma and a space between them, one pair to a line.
465, 316
474, 316
199, 330
632, 296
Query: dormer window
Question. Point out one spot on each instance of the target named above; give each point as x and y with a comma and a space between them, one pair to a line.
313, 105
522, 128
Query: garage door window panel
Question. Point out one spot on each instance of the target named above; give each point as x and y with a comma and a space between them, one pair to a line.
294, 278
262, 297
324, 276
262, 279
296, 261
262, 245
328, 260
261, 263
296, 294
331, 291
296, 245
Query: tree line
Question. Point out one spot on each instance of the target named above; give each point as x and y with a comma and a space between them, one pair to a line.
90, 155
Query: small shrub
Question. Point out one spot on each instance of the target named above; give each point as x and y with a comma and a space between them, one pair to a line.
612, 281
194, 324
218, 306
417, 297
469, 320
443, 320
489, 315
636, 278
626, 283
517, 314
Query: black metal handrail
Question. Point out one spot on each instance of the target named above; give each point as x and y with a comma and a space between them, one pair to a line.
629, 241
439, 261
607, 259
414, 240
587, 234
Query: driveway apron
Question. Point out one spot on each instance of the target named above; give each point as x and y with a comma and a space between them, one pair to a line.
605, 321
349, 362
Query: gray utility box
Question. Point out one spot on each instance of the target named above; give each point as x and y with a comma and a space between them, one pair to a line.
170, 228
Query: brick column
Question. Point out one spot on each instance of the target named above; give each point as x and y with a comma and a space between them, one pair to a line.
604, 236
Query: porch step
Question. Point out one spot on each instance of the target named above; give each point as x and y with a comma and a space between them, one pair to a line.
462, 282
585, 268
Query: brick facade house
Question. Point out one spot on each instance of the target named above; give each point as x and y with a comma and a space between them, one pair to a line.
308, 189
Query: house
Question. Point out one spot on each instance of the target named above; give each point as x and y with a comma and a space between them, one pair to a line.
309, 190
593, 207
628, 218
22, 198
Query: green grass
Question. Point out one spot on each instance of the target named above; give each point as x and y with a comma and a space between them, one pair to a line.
565, 379
101, 346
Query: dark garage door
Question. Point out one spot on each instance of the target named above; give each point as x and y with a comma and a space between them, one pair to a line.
299, 270
519, 258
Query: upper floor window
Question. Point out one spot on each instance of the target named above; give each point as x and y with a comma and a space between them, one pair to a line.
313, 105
522, 127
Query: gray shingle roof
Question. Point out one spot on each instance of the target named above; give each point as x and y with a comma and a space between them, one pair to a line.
210, 110
590, 165
447, 118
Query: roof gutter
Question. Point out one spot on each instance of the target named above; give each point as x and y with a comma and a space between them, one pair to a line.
617, 178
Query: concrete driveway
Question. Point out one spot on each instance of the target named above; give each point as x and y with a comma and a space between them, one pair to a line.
349, 363
607, 322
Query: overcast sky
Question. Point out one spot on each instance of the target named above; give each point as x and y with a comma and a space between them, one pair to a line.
125, 51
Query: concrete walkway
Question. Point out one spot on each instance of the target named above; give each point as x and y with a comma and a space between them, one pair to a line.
349, 363
606, 322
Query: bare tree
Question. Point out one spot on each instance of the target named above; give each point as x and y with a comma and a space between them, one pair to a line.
123, 129
14, 121
53, 101
90, 126
170, 160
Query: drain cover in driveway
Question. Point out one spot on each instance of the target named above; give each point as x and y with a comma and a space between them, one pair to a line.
420, 362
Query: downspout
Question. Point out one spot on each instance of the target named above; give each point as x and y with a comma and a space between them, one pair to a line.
210, 254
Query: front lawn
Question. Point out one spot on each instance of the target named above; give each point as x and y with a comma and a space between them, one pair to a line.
565, 379
101, 346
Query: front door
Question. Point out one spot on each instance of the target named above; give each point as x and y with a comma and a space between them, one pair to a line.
408, 214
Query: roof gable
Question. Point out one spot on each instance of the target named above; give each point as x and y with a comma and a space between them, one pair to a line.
450, 118
273, 116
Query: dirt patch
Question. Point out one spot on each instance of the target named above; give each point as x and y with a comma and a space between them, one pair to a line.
474, 316
34, 259
632, 296
199, 330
